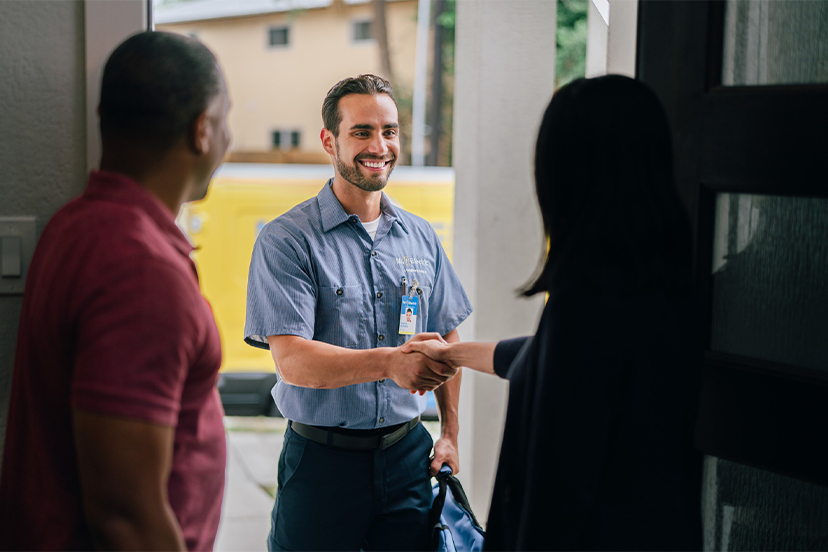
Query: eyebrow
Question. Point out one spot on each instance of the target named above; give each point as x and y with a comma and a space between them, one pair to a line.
371, 127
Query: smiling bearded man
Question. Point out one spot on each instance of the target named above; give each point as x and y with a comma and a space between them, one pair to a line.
325, 294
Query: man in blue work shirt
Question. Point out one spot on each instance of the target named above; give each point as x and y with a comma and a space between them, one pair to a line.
328, 283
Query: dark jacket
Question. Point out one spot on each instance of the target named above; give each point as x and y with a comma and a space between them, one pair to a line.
598, 452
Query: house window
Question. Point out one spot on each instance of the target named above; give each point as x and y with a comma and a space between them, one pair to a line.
278, 36
286, 139
363, 31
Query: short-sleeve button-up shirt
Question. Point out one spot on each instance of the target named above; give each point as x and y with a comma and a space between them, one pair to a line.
316, 273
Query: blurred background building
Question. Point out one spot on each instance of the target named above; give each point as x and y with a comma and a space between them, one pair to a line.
281, 57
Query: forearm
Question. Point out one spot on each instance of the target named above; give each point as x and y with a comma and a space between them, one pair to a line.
154, 528
448, 398
477, 356
307, 363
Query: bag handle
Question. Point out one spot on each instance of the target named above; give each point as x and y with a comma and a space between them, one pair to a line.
440, 499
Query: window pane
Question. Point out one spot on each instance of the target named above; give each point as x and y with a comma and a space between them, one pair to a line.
746, 508
294, 139
277, 139
363, 30
278, 36
773, 42
770, 279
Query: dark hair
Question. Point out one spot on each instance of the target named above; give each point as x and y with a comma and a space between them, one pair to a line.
604, 183
362, 84
154, 86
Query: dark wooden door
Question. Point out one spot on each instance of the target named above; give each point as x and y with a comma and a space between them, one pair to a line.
745, 85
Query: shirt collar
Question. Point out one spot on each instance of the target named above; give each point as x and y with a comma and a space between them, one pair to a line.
333, 214
122, 189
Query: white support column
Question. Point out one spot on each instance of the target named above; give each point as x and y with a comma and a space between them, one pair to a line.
598, 17
505, 76
418, 110
612, 27
621, 39
107, 24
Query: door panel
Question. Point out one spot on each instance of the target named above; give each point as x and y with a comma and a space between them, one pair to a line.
751, 156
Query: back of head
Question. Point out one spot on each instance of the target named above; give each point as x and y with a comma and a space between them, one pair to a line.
154, 86
361, 84
604, 182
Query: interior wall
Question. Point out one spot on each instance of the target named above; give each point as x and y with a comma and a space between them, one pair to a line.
42, 130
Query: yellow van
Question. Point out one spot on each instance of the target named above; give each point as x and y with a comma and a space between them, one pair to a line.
223, 227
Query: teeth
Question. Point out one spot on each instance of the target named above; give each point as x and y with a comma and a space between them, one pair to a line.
374, 164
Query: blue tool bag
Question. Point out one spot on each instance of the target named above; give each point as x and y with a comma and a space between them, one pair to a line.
454, 527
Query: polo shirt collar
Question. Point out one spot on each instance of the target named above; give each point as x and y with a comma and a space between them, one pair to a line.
118, 188
333, 214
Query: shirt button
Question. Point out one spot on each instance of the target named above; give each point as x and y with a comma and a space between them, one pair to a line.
380, 337
353, 219
382, 420
379, 294
382, 381
339, 291
373, 253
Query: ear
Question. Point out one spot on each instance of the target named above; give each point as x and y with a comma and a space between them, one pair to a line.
328, 141
200, 133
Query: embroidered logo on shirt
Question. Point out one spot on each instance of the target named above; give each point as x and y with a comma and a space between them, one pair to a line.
411, 261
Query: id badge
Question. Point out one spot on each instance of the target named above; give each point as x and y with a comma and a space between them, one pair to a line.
408, 315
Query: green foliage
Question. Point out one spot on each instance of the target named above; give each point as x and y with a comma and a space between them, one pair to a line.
571, 38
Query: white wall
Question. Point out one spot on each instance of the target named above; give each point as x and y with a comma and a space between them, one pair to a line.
504, 79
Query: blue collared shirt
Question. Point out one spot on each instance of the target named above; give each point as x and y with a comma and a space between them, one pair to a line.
316, 273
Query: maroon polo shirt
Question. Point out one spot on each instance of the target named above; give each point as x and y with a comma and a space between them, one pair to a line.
113, 322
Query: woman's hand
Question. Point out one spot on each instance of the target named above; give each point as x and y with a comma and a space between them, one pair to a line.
430, 344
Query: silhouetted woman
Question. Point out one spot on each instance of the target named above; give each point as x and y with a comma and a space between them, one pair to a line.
597, 451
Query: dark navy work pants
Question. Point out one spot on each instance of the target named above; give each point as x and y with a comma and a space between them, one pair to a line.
334, 499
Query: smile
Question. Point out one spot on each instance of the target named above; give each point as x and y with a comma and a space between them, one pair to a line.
373, 164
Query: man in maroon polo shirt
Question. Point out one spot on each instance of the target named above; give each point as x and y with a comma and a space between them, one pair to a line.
115, 437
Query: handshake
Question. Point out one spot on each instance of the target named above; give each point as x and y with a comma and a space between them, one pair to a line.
422, 363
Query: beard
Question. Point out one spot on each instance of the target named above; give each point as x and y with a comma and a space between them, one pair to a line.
353, 174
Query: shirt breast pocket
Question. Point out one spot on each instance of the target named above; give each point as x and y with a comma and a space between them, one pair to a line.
340, 316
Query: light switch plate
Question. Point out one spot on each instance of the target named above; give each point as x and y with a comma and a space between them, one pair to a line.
20, 236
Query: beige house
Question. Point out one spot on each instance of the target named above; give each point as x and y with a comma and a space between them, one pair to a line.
280, 57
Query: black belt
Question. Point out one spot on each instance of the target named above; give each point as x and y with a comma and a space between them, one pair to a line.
326, 436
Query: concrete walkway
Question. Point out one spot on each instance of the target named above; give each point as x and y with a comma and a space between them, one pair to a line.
253, 447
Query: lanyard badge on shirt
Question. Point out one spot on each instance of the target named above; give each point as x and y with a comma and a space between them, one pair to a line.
408, 309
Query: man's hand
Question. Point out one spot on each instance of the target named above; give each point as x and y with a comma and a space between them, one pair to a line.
445, 452
418, 372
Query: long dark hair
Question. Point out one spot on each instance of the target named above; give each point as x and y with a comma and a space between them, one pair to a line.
604, 183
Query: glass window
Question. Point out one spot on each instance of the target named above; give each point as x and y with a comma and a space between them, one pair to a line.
773, 42
277, 139
769, 284
294, 139
279, 36
363, 30
750, 509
